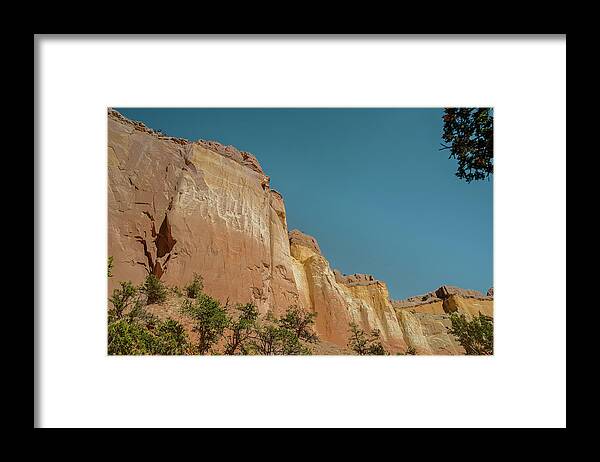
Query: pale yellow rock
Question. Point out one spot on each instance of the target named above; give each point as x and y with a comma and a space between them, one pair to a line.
426, 325
337, 305
468, 306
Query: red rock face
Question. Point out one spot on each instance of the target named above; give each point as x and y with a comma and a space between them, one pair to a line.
177, 207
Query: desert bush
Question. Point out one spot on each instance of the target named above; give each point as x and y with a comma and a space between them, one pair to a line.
375, 346
139, 314
242, 329
264, 342
272, 339
286, 335
194, 288
171, 338
210, 319
137, 332
132, 336
475, 336
129, 338
122, 299
300, 322
290, 344
365, 344
154, 289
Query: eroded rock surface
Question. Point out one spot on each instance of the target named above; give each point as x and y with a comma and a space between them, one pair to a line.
337, 303
178, 207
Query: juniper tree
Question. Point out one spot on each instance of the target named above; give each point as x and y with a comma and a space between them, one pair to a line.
122, 299
194, 288
241, 329
210, 320
365, 344
469, 135
135, 336
285, 335
476, 336
155, 290
300, 322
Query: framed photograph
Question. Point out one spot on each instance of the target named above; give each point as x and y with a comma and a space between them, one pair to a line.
338, 219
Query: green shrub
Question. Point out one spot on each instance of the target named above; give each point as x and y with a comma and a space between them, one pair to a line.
241, 329
139, 314
286, 335
131, 336
271, 339
476, 336
172, 338
265, 339
194, 288
210, 320
364, 344
300, 322
290, 344
122, 299
154, 289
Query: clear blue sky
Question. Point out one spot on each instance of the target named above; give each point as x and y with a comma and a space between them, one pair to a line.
369, 184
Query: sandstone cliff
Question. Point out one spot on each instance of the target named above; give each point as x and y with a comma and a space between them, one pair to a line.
177, 207
425, 318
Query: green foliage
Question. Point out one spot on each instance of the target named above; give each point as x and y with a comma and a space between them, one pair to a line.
272, 339
476, 336
241, 329
364, 344
286, 335
375, 347
300, 322
470, 134
140, 333
132, 337
266, 340
358, 339
134, 331
110, 266
194, 288
129, 338
122, 299
210, 318
288, 343
172, 339
139, 314
155, 290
